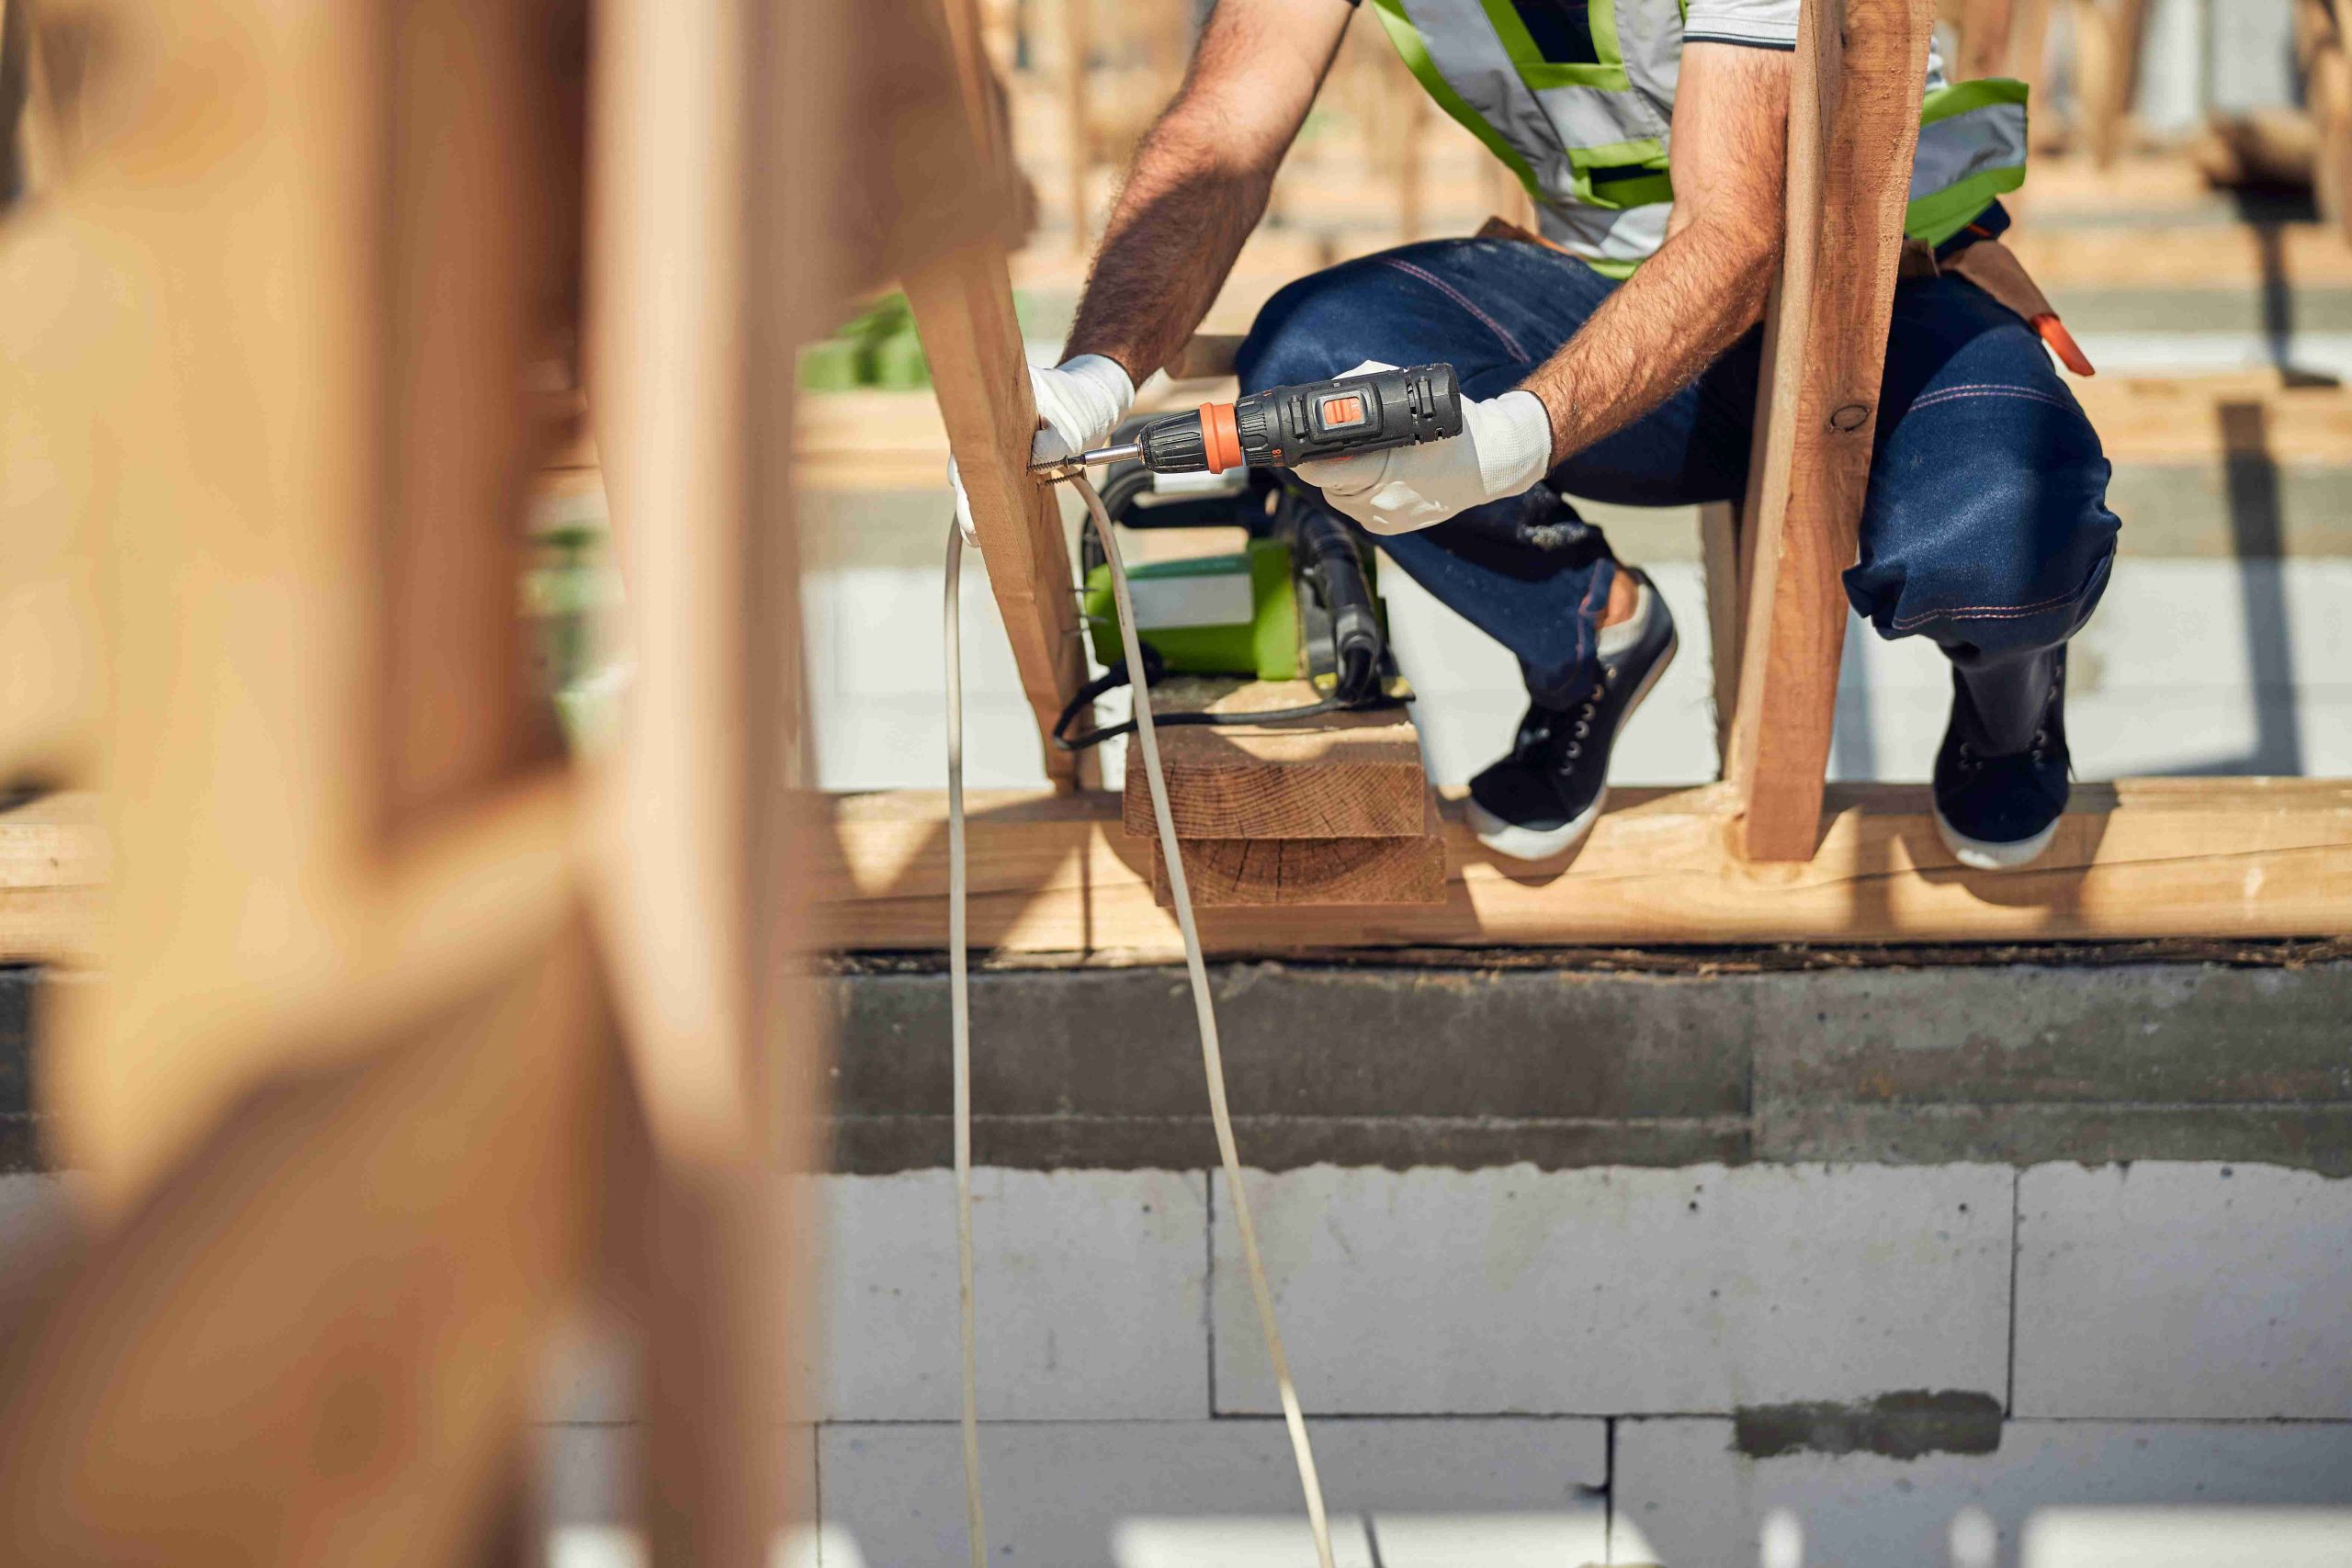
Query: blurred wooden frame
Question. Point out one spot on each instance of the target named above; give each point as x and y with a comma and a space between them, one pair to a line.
405, 1032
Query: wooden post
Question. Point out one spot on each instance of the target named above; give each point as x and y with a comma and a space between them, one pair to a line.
1720, 558
1853, 127
2327, 73
1078, 48
2107, 54
347, 1101
963, 306
1985, 27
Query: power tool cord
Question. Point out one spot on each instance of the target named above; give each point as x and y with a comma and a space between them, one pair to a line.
959, 1013
1111, 679
1204, 1007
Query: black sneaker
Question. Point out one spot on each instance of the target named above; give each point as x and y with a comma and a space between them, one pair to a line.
1998, 811
1540, 800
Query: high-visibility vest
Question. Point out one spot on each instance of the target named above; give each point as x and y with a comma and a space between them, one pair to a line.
1589, 138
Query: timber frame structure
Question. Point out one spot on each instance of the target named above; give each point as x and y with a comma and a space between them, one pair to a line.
1767, 854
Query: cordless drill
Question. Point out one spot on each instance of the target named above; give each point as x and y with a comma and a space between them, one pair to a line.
1283, 426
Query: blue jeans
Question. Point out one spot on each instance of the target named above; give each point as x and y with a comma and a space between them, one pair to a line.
1985, 527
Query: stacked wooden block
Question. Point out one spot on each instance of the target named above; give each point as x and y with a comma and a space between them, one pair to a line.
1335, 812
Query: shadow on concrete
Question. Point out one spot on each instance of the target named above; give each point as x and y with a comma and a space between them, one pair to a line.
2258, 544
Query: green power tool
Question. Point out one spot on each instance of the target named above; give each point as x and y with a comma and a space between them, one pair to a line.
1297, 601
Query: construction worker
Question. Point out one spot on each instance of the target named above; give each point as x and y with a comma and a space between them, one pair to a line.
1616, 358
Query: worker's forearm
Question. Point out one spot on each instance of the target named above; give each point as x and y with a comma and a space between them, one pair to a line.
1178, 225
1670, 320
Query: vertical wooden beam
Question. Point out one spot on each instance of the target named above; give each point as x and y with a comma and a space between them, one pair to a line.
963, 307
2106, 55
1078, 106
1985, 27
1719, 558
1853, 127
2327, 73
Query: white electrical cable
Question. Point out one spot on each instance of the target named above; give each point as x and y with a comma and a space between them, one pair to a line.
959, 1005
1212, 1057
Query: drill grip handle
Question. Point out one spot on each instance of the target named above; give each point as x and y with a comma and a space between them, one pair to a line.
1284, 426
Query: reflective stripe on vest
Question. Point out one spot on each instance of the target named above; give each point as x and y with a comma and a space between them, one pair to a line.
1588, 139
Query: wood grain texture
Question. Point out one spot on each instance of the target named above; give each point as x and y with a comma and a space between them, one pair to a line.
1719, 558
1853, 124
53, 867
2164, 420
1349, 776
2140, 858
1310, 872
318, 1343
2107, 36
963, 307
479, 233
217, 454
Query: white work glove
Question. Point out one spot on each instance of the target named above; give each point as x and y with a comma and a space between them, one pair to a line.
1504, 448
1081, 402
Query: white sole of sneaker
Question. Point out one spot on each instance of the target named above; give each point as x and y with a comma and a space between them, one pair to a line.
1514, 843
1984, 854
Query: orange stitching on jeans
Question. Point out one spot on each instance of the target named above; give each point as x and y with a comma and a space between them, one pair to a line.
1955, 394
1443, 287
1986, 612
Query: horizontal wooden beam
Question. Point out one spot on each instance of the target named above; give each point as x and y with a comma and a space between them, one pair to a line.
53, 867
2141, 858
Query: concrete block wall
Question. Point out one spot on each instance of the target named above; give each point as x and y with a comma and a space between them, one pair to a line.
1608, 1365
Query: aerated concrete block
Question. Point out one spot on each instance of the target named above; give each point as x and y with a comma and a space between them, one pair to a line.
1620, 1291
1090, 1288
1144, 1495
2183, 1291
1686, 1496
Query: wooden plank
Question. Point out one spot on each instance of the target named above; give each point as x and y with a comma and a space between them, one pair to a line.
963, 309
1311, 873
319, 1341
1719, 555
1349, 775
2164, 420
1853, 123
1984, 29
2107, 51
483, 153
2327, 73
2227, 258
963, 306
710, 271
214, 460
2139, 858
1078, 62
2136, 858
53, 869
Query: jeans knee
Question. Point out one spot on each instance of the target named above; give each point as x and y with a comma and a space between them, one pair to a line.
2015, 562
1311, 330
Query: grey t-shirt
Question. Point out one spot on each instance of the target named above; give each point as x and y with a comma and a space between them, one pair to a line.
1765, 24
1762, 24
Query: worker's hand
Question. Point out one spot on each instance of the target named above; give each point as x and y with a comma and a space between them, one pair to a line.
1081, 401
1504, 450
